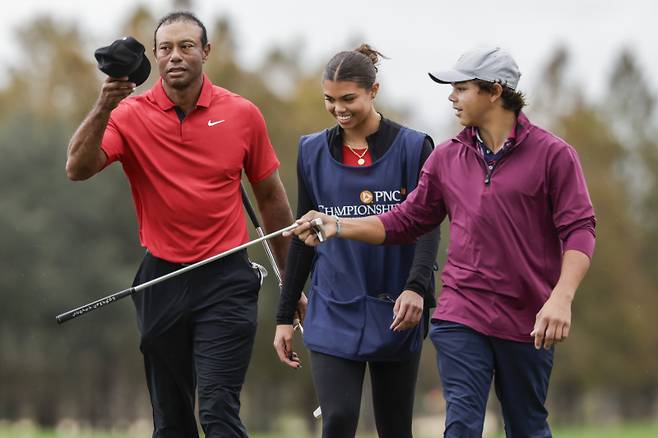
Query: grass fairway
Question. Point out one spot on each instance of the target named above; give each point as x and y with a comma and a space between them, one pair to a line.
622, 431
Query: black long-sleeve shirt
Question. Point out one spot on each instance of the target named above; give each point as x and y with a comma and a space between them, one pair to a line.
300, 257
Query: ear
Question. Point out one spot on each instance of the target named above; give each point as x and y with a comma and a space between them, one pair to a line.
496, 93
374, 90
206, 52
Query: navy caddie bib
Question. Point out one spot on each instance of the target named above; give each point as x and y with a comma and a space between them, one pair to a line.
354, 285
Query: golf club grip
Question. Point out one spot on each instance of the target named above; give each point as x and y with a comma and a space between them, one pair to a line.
249, 207
66, 316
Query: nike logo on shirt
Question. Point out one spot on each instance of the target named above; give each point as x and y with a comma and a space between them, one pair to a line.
211, 123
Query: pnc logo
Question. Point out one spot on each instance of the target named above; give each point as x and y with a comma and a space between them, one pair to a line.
388, 196
366, 197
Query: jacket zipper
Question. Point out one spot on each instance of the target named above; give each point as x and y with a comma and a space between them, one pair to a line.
488, 169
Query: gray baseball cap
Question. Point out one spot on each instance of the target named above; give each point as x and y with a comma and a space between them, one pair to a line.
485, 63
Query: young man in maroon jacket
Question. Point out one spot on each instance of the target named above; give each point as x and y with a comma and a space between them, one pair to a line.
521, 240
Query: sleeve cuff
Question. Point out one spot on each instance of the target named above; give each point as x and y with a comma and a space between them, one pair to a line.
582, 240
265, 174
387, 220
284, 321
414, 288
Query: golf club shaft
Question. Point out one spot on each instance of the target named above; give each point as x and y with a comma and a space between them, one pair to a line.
127, 292
268, 250
317, 413
270, 256
259, 230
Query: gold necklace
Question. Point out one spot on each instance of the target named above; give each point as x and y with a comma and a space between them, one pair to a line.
360, 160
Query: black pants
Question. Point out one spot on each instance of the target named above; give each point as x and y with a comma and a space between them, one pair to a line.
338, 383
197, 329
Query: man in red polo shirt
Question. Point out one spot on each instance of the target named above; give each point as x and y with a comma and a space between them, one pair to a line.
183, 146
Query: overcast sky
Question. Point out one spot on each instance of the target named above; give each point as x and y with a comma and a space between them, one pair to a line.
417, 35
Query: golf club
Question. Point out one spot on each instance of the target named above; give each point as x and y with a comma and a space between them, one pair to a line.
268, 250
71, 314
317, 413
259, 230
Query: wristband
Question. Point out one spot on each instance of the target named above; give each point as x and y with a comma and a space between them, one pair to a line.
337, 219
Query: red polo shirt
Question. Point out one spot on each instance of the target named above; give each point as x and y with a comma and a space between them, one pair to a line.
185, 176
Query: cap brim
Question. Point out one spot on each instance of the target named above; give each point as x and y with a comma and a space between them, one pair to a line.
141, 74
450, 77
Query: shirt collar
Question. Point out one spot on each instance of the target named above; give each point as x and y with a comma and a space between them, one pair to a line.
383, 129
376, 141
469, 135
165, 104
511, 139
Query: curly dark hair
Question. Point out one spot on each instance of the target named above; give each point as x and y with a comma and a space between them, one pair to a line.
512, 100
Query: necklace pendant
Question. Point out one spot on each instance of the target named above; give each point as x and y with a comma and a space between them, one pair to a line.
361, 161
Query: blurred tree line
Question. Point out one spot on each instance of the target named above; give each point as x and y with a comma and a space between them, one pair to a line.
65, 244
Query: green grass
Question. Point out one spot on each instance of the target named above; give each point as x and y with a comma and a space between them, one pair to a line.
29, 431
23, 432
621, 431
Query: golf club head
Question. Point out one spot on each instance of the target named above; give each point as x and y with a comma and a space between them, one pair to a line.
260, 269
317, 228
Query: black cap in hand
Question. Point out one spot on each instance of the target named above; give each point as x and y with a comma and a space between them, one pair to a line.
124, 57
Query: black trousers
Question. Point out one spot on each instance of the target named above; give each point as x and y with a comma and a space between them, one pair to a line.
339, 382
197, 329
